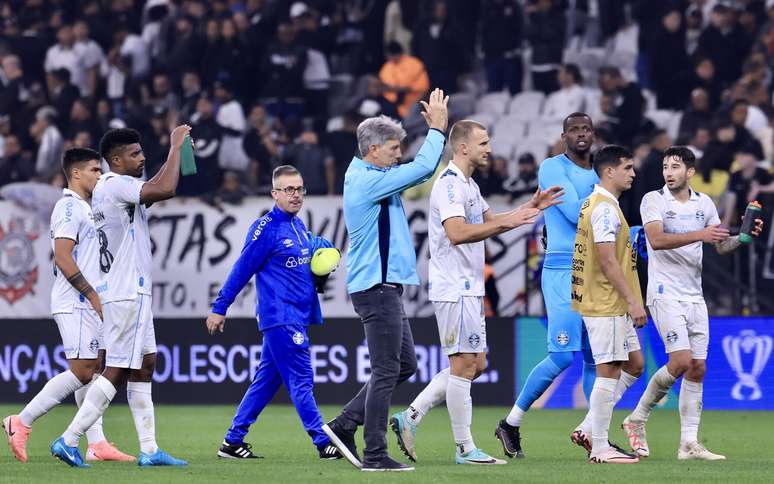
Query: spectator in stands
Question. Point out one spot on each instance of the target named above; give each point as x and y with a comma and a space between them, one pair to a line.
184, 51
404, 78
738, 113
435, 37
697, 114
546, 34
261, 148
134, 53
491, 178
525, 182
746, 184
231, 191
81, 118
373, 102
694, 22
92, 58
65, 55
314, 162
12, 84
570, 98
398, 22
626, 112
283, 68
15, 165
700, 140
725, 42
82, 139
207, 134
704, 77
669, 68
231, 55
651, 177
502, 34
49, 140
191, 91
161, 95
343, 145
62, 94
231, 119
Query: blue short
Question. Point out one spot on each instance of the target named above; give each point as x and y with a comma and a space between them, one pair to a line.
565, 327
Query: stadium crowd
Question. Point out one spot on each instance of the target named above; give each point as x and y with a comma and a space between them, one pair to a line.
267, 82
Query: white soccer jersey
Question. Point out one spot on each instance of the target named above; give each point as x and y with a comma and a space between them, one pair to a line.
675, 274
455, 270
604, 219
72, 219
124, 241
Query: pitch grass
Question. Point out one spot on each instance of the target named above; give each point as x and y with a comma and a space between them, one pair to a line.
194, 433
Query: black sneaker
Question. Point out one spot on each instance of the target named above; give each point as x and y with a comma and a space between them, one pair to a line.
387, 464
330, 452
237, 451
510, 438
344, 440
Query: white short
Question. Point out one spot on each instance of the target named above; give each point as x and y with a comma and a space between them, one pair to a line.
682, 326
461, 325
81, 332
612, 338
129, 332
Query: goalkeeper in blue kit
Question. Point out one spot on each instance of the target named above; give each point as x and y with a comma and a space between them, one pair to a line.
573, 171
277, 251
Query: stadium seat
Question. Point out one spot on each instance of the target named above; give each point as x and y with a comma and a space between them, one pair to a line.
536, 146
461, 105
487, 119
510, 124
493, 102
526, 105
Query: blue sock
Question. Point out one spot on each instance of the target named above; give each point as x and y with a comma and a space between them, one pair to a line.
541, 377
589, 373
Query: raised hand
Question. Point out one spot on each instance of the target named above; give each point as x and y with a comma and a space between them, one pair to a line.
436, 112
178, 136
542, 199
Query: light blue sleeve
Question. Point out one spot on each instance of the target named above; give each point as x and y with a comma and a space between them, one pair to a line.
258, 245
551, 174
385, 183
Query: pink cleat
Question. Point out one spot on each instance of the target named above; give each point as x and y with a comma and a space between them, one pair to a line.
105, 450
579, 438
17, 434
635, 432
613, 456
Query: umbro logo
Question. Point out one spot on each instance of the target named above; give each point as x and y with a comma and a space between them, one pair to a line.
671, 214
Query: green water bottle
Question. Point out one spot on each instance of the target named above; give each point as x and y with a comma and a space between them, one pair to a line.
752, 213
187, 161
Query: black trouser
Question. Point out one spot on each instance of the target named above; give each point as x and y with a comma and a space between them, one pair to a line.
391, 349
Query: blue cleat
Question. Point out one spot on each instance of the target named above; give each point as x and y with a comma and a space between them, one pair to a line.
477, 457
69, 455
406, 433
159, 458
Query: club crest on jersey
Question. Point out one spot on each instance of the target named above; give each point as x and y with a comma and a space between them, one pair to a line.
94, 345
18, 268
672, 336
474, 340
298, 338
563, 339
699, 215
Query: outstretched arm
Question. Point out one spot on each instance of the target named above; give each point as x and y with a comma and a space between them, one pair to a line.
552, 175
163, 185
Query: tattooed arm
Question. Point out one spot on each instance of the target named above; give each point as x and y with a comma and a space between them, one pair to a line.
63, 258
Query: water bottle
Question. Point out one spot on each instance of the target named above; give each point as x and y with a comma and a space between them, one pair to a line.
752, 212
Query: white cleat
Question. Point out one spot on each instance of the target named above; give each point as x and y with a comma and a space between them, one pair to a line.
635, 432
696, 451
613, 456
477, 457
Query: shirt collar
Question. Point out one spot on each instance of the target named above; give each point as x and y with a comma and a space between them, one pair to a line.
603, 191
280, 214
67, 191
692, 194
456, 169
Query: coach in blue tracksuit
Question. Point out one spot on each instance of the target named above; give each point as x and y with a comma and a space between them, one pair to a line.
277, 250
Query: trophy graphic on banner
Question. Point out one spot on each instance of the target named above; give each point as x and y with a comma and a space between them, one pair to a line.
747, 342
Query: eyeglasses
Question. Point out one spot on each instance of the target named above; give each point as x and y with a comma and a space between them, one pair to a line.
289, 191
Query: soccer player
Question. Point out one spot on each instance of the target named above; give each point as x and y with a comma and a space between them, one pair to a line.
460, 221
380, 261
120, 204
75, 306
677, 221
606, 292
278, 250
573, 172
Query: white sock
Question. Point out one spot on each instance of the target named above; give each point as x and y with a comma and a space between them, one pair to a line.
460, 407
658, 387
624, 383
690, 411
433, 394
94, 433
140, 402
602, 403
51, 395
515, 416
94, 405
